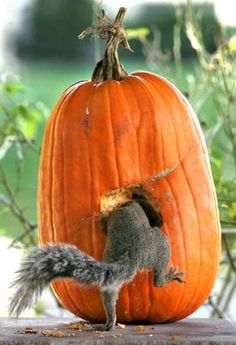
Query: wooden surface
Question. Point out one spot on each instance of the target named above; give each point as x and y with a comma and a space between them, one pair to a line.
58, 331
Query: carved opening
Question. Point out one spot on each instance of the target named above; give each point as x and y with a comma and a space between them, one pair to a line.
119, 197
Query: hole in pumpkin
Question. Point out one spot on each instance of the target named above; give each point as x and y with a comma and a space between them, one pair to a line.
119, 197
149, 206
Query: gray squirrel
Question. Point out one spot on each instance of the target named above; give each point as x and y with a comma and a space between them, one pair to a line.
132, 245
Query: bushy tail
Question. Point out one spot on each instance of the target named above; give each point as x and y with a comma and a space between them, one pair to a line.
54, 261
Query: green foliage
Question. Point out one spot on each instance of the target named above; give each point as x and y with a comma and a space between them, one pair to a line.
2, 232
139, 33
162, 18
232, 44
217, 75
39, 308
19, 118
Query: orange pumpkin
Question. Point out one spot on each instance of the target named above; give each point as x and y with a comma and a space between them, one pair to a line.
112, 134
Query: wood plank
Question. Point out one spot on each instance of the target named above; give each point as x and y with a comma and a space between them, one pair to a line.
187, 331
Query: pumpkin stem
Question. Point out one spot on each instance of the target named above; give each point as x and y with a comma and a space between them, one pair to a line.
109, 67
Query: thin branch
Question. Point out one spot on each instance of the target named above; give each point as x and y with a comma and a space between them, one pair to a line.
229, 255
224, 285
216, 308
13, 205
225, 260
230, 295
22, 236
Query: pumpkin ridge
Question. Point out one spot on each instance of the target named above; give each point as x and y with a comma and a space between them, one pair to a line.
65, 118
66, 284
52, 155
142, 86
185, 260
71, 93
194, 295
87, 102
180, 159
92, 235
144, 91
180, 162
128, 287
208, 170
203, 156
208, 284
125, 288
146, 88
137, 128
48, 135
175, 200
46, 150
188, 310
124, 98
108, 99
63, 282
199, 300
57, 110
51, 146
202, 151
137, 82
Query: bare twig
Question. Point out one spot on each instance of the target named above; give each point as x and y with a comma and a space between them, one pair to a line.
229, 295
13, 206
216, 308
227, 249
224, 286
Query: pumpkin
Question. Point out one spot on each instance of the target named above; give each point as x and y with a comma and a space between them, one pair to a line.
106, 138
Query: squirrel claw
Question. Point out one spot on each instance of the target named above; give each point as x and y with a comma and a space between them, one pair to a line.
99, 328
173, 274
102, 327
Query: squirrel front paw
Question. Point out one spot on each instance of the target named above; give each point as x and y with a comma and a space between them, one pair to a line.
172, 275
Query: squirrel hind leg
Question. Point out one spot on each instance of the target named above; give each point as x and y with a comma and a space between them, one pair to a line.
109, 298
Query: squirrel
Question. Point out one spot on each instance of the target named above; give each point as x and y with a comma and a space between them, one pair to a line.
132, 245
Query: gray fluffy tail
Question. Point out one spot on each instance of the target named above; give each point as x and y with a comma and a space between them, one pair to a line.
50, 262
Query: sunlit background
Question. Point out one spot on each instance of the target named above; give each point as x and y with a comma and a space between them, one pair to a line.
39, 46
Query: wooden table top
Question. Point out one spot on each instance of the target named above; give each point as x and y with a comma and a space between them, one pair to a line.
69, 331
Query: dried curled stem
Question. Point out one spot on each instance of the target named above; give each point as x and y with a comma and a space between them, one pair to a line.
109, 67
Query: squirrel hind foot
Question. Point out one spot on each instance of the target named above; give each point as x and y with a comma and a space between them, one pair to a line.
103, 327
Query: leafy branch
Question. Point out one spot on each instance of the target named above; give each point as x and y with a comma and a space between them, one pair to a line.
19, 122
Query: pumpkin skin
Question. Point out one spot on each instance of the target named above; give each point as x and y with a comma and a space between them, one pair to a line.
105, 136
